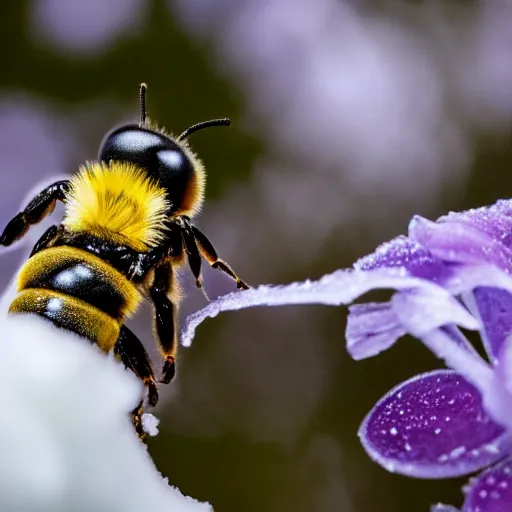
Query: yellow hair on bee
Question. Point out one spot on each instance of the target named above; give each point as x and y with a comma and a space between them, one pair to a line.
117, 202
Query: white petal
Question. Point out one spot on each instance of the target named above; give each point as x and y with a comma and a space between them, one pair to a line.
340, 287
421, 311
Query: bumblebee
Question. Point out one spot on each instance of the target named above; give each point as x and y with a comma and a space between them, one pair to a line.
127, 226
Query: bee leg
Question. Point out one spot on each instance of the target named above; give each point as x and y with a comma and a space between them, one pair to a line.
131, 352
137, 421
193, 256
41, 206
165, 318
210, 255
48, 238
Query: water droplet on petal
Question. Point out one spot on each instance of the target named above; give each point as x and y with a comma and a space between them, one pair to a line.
457, 452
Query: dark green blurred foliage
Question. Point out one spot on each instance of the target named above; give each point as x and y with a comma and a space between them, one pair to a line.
232, 470
184, 87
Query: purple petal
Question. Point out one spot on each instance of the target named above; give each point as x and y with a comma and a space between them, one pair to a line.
402, 252
340, 287
374, 327
474, 236
491, 491
495, 220
433, 426
490, 301
495, 311
460, 242
498, 396
371, 328
455, 335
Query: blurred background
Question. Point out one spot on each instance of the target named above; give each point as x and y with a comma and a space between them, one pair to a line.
348, 118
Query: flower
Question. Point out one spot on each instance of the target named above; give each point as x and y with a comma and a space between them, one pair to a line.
447, 274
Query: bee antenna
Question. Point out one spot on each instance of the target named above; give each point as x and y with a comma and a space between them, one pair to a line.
204, 124
142, 97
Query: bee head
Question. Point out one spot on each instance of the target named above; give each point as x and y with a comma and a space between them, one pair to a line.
166, 160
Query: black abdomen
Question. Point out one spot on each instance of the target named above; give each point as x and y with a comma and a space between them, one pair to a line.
76, 291
83, 282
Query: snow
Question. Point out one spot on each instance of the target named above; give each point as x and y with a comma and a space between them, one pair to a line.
66, 440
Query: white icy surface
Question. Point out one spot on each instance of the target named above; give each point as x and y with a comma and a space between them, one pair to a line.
66, 441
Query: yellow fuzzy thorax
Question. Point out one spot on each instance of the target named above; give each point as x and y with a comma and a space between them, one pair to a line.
117, 202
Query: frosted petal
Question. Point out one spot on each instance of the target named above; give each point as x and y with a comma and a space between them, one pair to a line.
402, 252
459, 242
491, 491
371, 328
495, 311
433, 426
494, 220
340, 287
